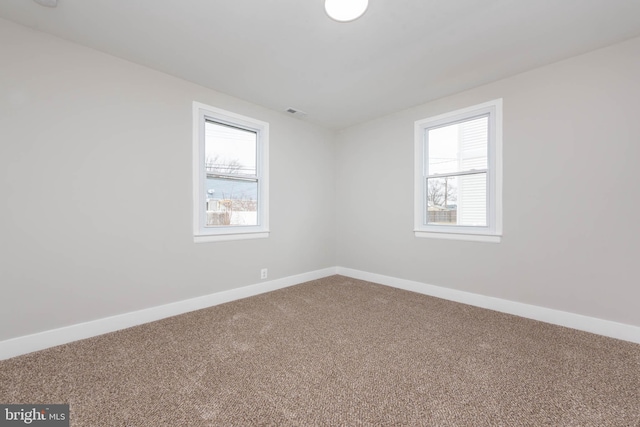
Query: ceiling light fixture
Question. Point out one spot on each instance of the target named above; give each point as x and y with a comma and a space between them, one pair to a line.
47, 3
345, 10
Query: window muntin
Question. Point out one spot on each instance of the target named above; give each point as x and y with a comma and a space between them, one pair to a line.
458, 173
230, 175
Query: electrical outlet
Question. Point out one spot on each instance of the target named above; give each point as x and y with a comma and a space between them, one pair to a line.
263, 273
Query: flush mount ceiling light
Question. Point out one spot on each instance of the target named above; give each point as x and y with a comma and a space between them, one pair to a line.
48, 3
345, 10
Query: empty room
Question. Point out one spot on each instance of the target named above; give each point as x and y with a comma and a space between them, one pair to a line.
319, 213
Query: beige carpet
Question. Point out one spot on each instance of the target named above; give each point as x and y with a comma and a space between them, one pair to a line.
336, 351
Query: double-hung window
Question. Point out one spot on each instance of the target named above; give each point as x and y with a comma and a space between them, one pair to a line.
458, 174
230, 156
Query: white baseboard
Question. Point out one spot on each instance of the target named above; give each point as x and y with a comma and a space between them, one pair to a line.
562, 318
39, 341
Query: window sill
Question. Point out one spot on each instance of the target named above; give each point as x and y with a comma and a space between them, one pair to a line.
227, 237
493, 238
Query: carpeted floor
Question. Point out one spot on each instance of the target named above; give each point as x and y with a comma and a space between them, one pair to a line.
336, 351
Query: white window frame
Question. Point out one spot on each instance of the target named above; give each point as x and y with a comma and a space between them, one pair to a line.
492, 232
202, 113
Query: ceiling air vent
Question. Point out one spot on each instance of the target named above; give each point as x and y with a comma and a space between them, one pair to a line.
47, 3
299, 114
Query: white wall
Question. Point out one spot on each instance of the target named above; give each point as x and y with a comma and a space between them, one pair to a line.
79, 128
571, 196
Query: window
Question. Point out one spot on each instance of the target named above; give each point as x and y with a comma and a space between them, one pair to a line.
230, 182
458, 174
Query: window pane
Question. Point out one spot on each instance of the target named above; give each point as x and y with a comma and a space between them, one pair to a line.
230, 150
231, 202
458, 147
457, 200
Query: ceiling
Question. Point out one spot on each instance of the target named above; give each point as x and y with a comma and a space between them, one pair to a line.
288, 53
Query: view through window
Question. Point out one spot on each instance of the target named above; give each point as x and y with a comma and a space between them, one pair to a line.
457, 173
231, 175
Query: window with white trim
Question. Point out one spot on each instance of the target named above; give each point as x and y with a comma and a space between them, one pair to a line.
230, 175
458, 174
